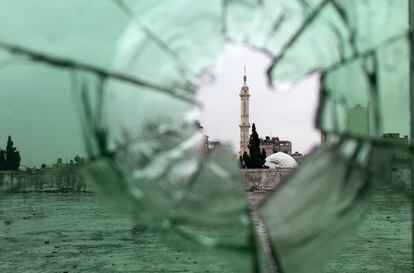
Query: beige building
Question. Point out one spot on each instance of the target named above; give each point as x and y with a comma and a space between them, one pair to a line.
244, 116
275, 145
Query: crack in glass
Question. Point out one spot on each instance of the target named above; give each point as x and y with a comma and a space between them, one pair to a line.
145, 149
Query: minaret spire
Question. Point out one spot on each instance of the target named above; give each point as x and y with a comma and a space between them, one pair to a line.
244, 116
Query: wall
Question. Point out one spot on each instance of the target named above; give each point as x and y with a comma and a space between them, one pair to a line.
70, 180
261, 180
44, 180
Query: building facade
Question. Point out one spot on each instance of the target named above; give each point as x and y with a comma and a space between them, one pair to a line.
275, 145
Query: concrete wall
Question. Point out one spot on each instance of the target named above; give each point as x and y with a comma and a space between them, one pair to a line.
70, 180
44, 180
263, 179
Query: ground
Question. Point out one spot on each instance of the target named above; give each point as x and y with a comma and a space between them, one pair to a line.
77, 233
383, 242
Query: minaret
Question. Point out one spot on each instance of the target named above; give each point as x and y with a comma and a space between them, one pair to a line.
244, 116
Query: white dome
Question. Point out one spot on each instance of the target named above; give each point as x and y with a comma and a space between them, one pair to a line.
280, 160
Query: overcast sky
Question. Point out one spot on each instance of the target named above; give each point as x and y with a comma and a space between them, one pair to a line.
289, 115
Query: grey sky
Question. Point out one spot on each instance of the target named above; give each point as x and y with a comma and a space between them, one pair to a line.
289, 115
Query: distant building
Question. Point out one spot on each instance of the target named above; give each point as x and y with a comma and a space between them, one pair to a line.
400, 162
59, 163
395, 137
77, 160
275, 145
298, 156
400, 157
213, 144
358, 120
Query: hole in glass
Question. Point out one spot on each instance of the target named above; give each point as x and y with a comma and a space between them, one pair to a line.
288, 115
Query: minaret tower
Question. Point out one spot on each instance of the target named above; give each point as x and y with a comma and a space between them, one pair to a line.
244, 116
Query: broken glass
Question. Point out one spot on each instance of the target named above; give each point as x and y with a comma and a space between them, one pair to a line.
332, 206
133, 67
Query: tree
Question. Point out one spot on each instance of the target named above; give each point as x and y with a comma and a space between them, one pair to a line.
3, 162
246, 160
256, 160
77, 159
263, 158
12, 156
241, 163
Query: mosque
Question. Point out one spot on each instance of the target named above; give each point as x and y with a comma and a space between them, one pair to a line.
279, 152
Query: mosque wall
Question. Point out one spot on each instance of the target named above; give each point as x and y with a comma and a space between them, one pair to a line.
44, 180
70, 180
261, 180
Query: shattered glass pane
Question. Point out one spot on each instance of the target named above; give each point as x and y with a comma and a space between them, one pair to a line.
67, 29
345, 31
334, 203
177, 65
393, 87
115, 81
350, 102
383, 241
